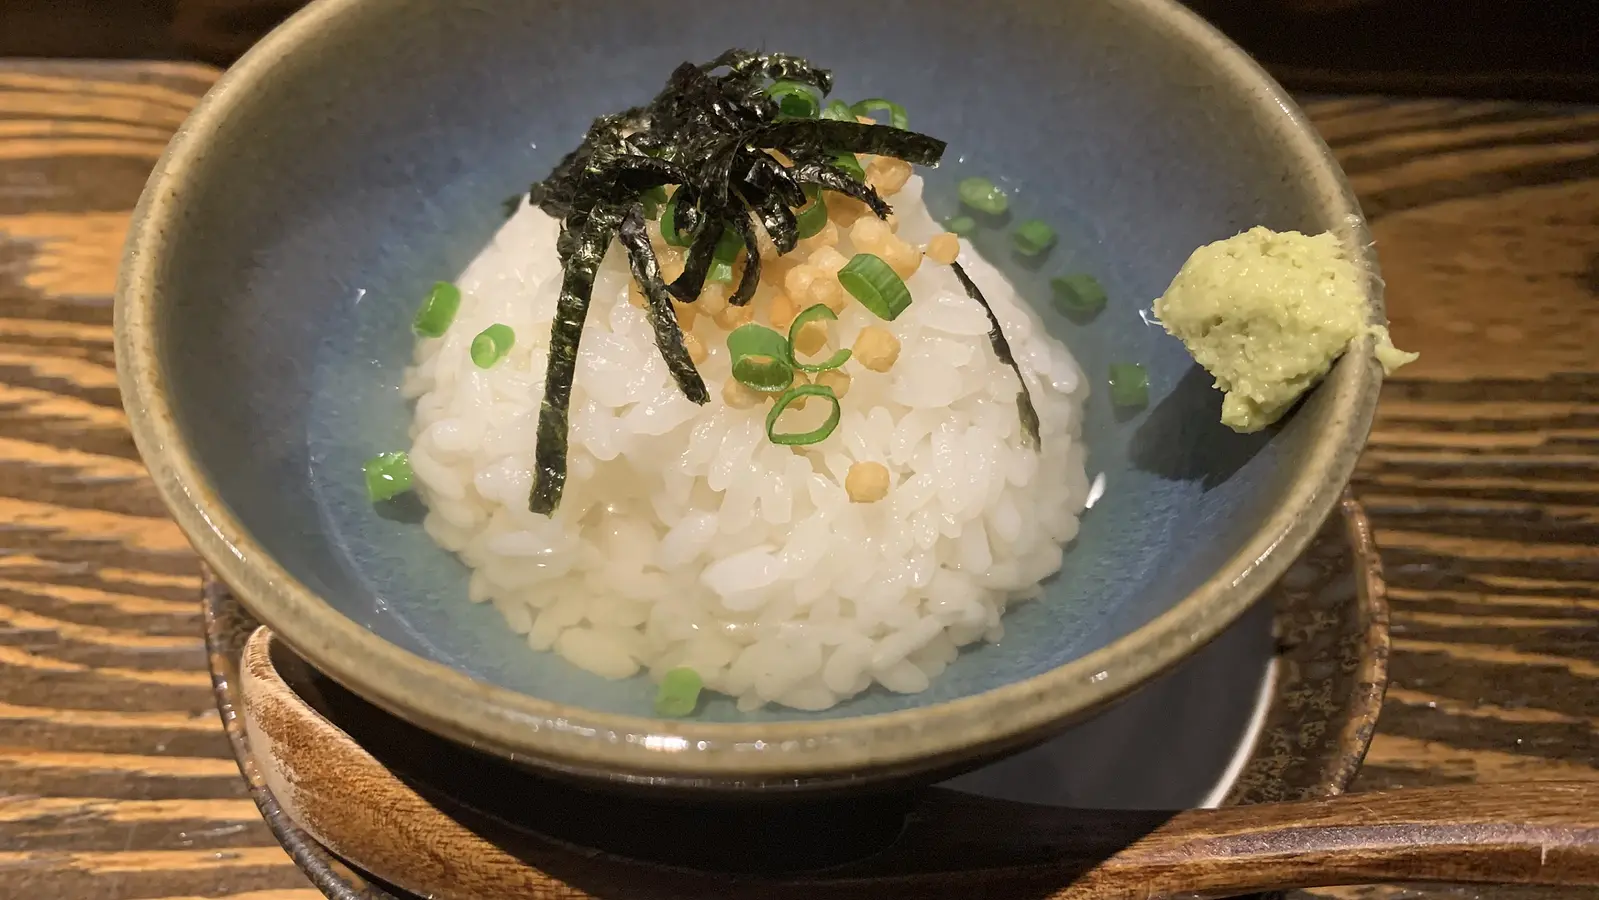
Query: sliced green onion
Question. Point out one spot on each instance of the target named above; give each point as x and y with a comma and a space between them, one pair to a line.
1129, 384
807, 437
819, 311
1078, 294
812, 218
1033, 237
965, 226
679, 692
669, 224
874, 283
983, 195
491, 345
727, 247
896, 113
653, 200
838, 111
438, 310
761, 358
795, 99
851, 165
388, 475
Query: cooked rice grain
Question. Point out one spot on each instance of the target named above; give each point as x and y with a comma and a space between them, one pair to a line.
686, 538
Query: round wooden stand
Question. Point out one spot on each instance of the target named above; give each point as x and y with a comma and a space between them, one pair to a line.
339, 780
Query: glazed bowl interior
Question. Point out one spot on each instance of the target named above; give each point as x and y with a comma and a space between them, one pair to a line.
363, 152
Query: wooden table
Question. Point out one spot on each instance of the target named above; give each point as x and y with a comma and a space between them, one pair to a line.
1482, 477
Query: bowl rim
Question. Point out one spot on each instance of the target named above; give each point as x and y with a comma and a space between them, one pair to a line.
771, 755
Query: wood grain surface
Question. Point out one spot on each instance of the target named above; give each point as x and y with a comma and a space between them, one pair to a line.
1482, 479
1548, 49
487, 832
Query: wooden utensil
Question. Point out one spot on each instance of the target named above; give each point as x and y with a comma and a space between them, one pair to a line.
387, 818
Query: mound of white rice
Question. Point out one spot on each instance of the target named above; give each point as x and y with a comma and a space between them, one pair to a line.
686, 538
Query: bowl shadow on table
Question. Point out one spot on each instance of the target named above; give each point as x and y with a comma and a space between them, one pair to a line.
1180, 439
617, 845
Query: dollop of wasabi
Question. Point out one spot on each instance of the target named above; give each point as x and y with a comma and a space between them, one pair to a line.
1267, 313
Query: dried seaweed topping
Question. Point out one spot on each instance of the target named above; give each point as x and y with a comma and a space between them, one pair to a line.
719, 135
996, 338
663, 319
850, 137
577, 286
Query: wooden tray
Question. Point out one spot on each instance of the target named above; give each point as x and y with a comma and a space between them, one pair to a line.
444, 821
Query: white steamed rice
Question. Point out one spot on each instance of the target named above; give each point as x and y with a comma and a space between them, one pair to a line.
686, 538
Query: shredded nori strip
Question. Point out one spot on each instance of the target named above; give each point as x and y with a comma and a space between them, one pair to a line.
752, 263
577, 286
663, 318
701, 253
773, 193
839, 181
778, 218
996, 337
709, 132
850, 137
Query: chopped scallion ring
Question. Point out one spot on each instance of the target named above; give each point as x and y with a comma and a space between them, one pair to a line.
388, 475
653, 200
1078, 294
761, 358
1033, 237
807, 437
679, 692
669, 230
491, 345
983, 195
896, 113
438, 310
850, 164
819, 311
727, 248
874, 283
795, 99
838, 111
965, 226
812, 218
1129, 384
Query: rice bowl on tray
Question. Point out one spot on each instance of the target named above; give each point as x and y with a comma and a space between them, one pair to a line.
706, 549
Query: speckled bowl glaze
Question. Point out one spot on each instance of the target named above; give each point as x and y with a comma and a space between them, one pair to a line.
362, 151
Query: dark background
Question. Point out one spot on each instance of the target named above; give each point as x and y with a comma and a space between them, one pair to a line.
1547, 49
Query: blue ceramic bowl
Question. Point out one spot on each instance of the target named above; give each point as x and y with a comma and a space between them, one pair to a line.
363, 150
